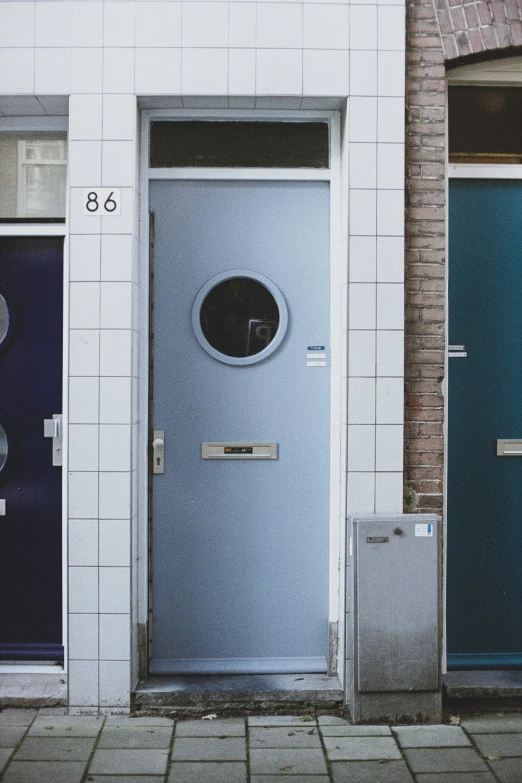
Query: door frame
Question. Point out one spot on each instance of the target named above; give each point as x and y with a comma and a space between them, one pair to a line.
338, 288
50, 124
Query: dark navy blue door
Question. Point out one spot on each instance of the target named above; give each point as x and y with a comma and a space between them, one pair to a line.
484, 598
31, 274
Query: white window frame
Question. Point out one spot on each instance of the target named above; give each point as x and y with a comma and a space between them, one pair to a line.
24, 163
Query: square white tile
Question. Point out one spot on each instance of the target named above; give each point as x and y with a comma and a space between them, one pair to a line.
118, 24
389, 447
116, 257
391, 74
363, 27
390, 401
362, 210
390, 306
83, 495
87, 24
279, 72
16, 71
126, 221
116, 306
158, 24
360, 493
279, 26
84, 257
115, 447
115, 637
83, 637
115, 496
115, 684
115, 587
119, 117
390, 212
53, 24
115, 352
390, 120
83, 683
115, 400
361, 447
362, 119
325, 72
158, 71
85, 117
84, 305
241, 71
361, 306
362, 259
392, 27
87, 70
361, 353
16, 24
83, 447
115, 542
242, 24
205, 24
83, 542
84, 352
83, 590
390, 353
85, 164
52, 68
362, 169
390, 166
326, 26
363, 73
204, 71
83, 400
388, 493
361, 401
118, 69
390, 259
119, 164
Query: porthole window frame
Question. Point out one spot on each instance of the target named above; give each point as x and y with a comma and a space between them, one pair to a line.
4, 338
6, 460
240, 361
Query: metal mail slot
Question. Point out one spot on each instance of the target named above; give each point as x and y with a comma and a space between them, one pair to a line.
508, 447
233, 450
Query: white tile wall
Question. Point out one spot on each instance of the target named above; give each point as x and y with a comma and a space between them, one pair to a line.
280, 54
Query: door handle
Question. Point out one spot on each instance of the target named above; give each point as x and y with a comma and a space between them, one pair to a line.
2, 508
53, 429
158, 452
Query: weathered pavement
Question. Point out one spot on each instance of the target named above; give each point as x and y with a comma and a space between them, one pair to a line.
46, 747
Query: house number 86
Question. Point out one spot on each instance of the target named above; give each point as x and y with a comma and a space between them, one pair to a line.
101, 201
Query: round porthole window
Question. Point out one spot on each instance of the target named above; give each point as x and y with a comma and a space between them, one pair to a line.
3, 447
240, 317
4, 319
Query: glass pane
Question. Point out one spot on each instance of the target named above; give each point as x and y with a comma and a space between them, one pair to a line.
239, 144
3, 447
239, 317
4, 319
32, 176
485, 124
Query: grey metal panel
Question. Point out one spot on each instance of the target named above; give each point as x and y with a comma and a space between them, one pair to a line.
240, 547
397, 604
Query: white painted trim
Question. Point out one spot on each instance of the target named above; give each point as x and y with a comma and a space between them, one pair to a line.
20, 668
233, 174
484, 171
34, 123
33, 229
337, 336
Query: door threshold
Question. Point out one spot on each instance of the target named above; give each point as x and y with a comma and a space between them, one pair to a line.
483, 688
239, 692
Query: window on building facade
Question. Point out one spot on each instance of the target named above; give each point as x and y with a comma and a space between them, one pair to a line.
33, 169
485, 124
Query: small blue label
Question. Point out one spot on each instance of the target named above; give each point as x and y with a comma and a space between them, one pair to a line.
429, 528
315, 348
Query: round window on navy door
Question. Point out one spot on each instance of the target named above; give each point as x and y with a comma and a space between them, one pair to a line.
3, 447
4, 319
240, 317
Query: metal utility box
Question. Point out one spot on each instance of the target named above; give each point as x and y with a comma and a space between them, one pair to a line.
394, 592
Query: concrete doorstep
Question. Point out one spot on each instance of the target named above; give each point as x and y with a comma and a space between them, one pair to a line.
48, 746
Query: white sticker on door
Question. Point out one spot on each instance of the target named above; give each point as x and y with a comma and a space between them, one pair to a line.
424, 529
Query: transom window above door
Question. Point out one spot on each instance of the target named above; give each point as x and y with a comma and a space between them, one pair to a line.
33, 169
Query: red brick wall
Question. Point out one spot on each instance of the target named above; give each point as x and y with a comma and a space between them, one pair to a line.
438, 32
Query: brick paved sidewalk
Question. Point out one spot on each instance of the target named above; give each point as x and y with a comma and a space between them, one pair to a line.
45, 747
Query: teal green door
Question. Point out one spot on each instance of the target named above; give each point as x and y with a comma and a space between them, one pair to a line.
484, 580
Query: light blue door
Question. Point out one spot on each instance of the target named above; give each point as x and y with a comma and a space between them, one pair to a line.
240, 321
484, 592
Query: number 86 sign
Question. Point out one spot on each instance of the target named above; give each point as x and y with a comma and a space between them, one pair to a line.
102, 202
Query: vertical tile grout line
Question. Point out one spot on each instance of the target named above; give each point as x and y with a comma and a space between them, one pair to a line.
325, 754
247, 744
86, 774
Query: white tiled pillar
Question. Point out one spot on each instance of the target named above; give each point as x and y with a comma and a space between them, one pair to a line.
102, 364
